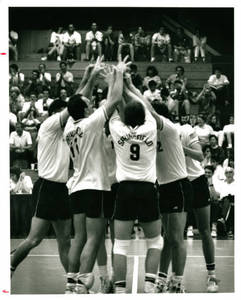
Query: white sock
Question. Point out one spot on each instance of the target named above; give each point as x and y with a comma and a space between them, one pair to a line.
87, 279
177, 279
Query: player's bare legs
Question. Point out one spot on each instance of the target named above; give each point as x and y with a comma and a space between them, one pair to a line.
122, 231
154, 241
62, 229
39, 228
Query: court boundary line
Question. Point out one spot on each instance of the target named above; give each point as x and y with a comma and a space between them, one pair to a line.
135, 274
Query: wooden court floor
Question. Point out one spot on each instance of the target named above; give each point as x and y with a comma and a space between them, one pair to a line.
42, 273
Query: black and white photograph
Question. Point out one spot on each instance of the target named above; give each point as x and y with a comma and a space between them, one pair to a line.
119, 162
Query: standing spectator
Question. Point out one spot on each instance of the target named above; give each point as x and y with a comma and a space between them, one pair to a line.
93, 40
219, 84
152, 93
108, 44
181, 46
34, 84
72, 41
64, 79
199, 41
179, 75
152, 74
216, 152
161, 43
16, 78
20, 144
44, 77
56, 46
142, 44
125, 40
183, 103
203, 130
13, 50
206, 100
136, 77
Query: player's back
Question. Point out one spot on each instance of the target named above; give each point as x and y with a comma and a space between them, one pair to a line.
85, 139
135, 149
171, 164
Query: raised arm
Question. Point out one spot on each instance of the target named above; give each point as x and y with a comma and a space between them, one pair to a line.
194, 152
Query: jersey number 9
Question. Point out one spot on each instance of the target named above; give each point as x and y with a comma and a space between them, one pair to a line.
135, 152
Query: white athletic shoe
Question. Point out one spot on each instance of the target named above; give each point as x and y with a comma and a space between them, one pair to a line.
106, 286
70, 288
150, 287
161, 285
212, 285
80, 288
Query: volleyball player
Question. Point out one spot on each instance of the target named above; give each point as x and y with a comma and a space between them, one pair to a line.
90, 179
50, 194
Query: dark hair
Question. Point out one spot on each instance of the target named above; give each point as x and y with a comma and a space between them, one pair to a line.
152, 83
63, 62
154, 70
205, 147
45, 88
133, 67
213, 136
161, 108
55, 106
164, 92
36, 71
180, 67
20, 124
16, 171
134, 114
14, 66
202, 116
76, 107
209, 167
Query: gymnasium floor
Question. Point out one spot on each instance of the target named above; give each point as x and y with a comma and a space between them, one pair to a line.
42, 273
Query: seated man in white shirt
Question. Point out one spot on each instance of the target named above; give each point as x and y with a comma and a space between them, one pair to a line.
161, 43
93, 40
64, 79
72, 41
43, 104
152, 93
20, 144
44, 77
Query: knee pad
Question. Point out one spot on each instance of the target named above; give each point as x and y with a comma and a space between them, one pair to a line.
155, 243
121, 247
87, 279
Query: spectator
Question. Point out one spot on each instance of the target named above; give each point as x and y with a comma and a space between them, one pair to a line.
214, 197
12, 118
63, 95
142, 44
203, 130
218, 175
228, 133
56, 45
207, 156
214, 122
219, 84
64, 79
20, 144
29, 106
181, 95
44, 77
13, 50
181, 45
125, 40
43, 104
152, 74
179, 75
199, 41
136, 77
229, 161
20, 183
161, 43
34, 84
152, 93
108, 44
16, 78
193, 120
16, 99
93, 40
216, 152
206, 100
72, 41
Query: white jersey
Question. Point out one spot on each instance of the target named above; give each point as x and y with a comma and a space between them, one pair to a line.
171, 164
188, 138
85, 139
110, 157
135, 149
53, 151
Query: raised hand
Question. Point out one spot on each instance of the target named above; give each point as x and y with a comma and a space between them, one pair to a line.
123, 65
